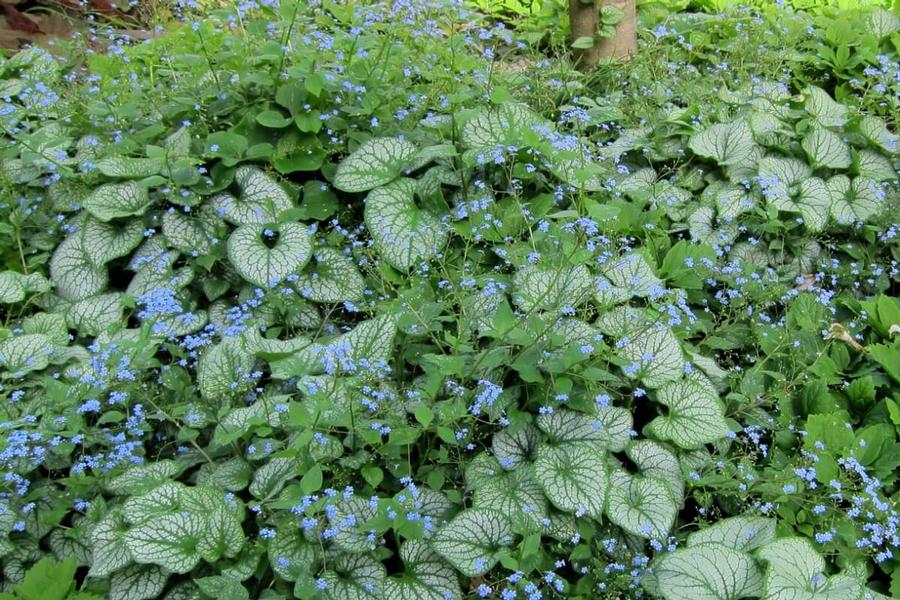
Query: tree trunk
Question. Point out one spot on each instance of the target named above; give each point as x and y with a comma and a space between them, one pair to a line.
584, 21
623, 45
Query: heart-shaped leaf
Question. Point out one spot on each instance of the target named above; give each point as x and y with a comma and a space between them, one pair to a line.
117, 200
574, 479
708, 571
695, 415
377, 162
471, 540
266, 264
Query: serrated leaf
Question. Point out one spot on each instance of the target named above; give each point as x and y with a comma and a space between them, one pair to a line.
265, 265
92, 316
574, 479
137, 582
823, 108
225, 370
694, 417
744, 534
261, 200
72, 272
726, 143
117, 200
642, 506
404, 235
169, 541
471, 540
376, 162
826, 148
427, 576
551, 288
854, 201
709, 571
655, 357
796, 572
335, 278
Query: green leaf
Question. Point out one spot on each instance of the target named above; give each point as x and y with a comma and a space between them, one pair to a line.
186, 233
378, 161
404, 235
224, 370
642, 506
222, 535
137, 582
48, 580
812, 201
782, 174
108, 550
708, 571
875, 130
854, 201
263, 264
348, 521
311, 480
117, 200
823, 109
12, 288
515, 493
744, 534
795, 571
141, 478
695, 415
875, 166
655, 357
574, 480
271, 477
551, 288
262, 199
353, 577
21, 354
471, 540
584, 42
826, 148
169, 541
221, 587
726, 143
334, 279
73, 273
505, 125
883, 22
232, 475
273, 118
126, 167
427, 576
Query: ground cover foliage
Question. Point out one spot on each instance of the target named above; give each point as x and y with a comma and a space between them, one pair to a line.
316, 300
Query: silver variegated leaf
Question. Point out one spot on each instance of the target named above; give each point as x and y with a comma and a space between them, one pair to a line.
471, 540
376, 162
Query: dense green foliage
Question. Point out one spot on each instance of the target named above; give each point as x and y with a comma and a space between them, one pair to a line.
357, 301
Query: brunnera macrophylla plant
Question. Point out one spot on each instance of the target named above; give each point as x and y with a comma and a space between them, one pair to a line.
337, 317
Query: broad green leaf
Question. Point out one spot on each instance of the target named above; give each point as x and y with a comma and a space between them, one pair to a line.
642, 506
334, 278
744, 534
222, 535
574, 479
854, 201
264, 262
178, 143
551, 288
471, 540
378, 161
169, 541
73, 273
633, 274
222, 587
103, 242
404, 235
92, 316
161, 500
47, 580
117, 200
12, 287
826, 149
614, 423
653, 460
812, 201
108, 550
726, 143
568, 428
127, 167
21, 354
427, 576
708, 571
654, 356
795, 571
225, 370
51, 325
515, 449
137, 582
823, 109
353, 577
695, 415
291, 556
261, 200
